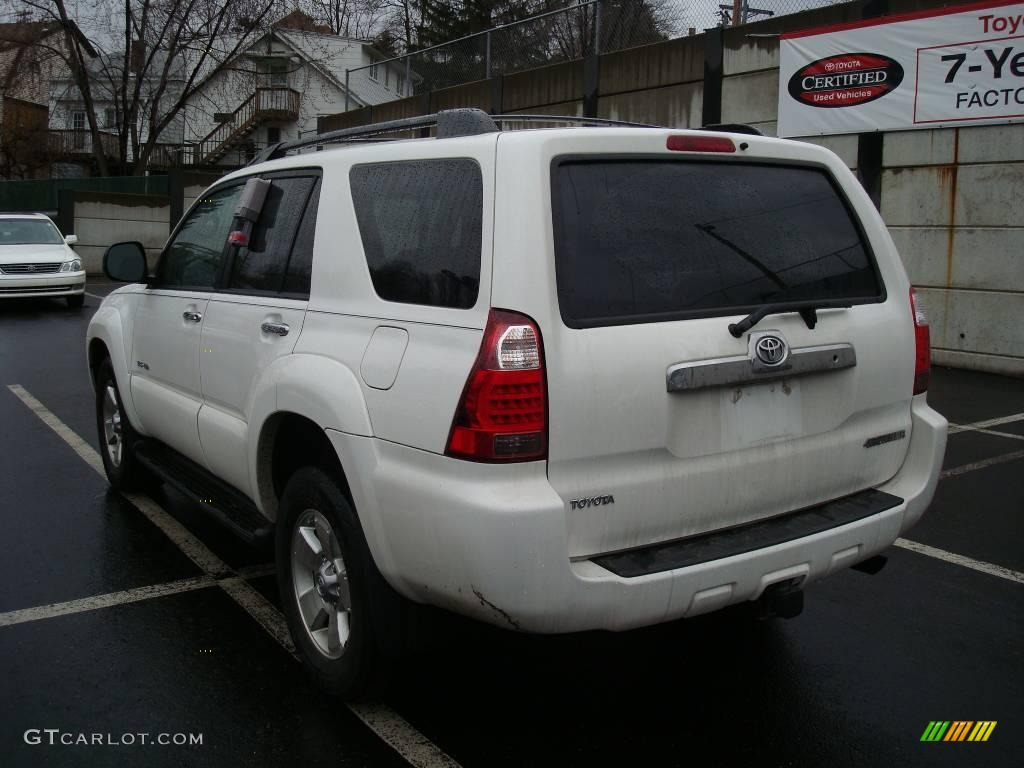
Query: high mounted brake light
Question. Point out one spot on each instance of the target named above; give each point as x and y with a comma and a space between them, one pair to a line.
700, 144
502, 415
922, 344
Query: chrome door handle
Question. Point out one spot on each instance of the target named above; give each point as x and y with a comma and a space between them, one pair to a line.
192, 317
278, 329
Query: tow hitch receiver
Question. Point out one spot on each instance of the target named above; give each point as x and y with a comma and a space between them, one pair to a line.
872, 565
785, 600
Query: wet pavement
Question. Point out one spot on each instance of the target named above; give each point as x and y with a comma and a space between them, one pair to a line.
853, 681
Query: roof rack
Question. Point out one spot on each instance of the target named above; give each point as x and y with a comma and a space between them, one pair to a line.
455, 122
449, 123
569, 119
732, 128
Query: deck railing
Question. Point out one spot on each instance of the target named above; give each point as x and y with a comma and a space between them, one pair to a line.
263, 104
78, 142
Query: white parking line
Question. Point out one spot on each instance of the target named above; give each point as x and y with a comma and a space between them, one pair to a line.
966, 562
975, 465
390, 727
193, 548
104, 601
94, 295
1010, 435
64, 432
954, 428
261, 609
403, 738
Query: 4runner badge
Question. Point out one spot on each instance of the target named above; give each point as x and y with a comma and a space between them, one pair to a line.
593, 501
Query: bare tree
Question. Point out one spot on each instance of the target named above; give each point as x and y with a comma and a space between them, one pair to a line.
348, 18
163, 52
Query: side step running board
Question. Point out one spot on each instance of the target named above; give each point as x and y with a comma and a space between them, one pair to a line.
219, 500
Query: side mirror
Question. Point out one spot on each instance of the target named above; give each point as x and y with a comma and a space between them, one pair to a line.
71, 239
125, 262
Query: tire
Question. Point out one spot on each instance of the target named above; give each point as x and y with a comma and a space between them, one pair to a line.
116, 435
352, 665
75, 301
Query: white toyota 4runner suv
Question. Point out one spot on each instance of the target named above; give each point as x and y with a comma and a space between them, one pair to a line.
555, 380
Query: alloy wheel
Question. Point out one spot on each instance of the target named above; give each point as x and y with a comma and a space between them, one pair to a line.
320, 582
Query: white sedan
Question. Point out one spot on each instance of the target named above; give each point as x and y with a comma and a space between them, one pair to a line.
36, 260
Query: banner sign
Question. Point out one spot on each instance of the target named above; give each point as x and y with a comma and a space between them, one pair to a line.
961, 65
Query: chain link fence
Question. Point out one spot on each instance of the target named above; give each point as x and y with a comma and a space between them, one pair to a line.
706, 14
570, 32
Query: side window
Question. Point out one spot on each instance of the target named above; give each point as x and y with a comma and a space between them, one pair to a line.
421, 225
193, 258
261, 266
300, 266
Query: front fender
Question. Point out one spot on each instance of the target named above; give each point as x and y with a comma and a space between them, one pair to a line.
108, 326
315, 387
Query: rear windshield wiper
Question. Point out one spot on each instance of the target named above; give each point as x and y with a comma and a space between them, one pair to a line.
809, 313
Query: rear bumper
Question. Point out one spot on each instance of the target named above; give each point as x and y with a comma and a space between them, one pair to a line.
57, 284
490, 541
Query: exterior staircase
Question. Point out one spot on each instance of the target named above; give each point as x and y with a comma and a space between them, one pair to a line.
263, 105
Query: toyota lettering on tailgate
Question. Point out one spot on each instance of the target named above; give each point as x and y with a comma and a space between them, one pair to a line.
845, 80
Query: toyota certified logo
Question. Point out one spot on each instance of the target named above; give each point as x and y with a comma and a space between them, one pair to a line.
770, 350
31, 268
845, 80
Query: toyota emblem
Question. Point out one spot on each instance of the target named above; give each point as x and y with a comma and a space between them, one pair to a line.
771, 350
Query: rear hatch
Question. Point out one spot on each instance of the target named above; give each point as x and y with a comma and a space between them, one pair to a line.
634, 260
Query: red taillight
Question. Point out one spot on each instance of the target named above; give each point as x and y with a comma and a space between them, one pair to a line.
700, 144
239, 238
503, 412
922, 344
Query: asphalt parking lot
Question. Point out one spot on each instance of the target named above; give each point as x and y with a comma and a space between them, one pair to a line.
128, 616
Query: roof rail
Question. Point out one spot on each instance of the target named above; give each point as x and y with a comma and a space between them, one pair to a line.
449, 123
732, 128
459, 122
569, 119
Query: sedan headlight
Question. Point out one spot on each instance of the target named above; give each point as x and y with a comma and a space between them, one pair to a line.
75, 265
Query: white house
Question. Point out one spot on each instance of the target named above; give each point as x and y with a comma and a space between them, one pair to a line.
67, 109
276, 89
271, 91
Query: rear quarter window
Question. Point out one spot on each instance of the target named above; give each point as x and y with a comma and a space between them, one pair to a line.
421, 225
655, 240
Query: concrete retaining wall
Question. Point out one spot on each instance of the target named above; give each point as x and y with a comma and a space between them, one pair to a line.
102, 219
951, 198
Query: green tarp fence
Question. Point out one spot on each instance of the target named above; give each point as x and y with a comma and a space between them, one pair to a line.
41, 194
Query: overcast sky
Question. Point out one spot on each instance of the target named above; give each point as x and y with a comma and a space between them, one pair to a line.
683, 14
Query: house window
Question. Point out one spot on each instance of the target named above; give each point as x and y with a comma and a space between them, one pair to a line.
273, 73
273, 134
109, 118
78, 124
373, 71
279, 74
387, 76
400, 84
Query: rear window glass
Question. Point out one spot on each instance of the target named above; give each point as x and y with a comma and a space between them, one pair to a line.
421, 226
645, 241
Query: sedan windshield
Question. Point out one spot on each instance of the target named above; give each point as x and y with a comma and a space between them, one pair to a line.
28, 231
